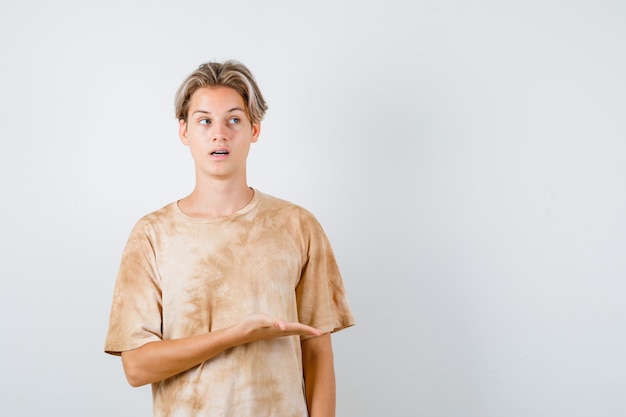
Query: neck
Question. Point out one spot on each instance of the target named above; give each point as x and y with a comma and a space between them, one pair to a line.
216, 199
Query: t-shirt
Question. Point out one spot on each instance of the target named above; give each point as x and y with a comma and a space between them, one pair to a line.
182, 276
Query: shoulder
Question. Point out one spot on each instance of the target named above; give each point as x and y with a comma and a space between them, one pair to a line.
286, 215
152, 220
285, 208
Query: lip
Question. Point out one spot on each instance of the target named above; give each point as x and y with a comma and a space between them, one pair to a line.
219, 153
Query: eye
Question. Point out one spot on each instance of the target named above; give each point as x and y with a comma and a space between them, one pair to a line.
235, 120
204, 121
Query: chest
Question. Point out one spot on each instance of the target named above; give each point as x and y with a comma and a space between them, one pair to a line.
211, 278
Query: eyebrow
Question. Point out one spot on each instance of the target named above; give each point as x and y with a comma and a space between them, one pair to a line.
229, 111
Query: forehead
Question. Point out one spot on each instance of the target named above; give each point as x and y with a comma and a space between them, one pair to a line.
215, 98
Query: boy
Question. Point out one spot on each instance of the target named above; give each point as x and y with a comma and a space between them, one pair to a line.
226, 298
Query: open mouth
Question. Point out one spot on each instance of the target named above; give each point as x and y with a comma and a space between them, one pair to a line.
219, 153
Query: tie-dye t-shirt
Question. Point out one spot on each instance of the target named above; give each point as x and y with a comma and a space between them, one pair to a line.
182, 276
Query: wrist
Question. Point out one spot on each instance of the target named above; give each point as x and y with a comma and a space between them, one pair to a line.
236, 335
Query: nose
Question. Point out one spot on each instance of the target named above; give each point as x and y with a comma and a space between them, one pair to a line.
219, 132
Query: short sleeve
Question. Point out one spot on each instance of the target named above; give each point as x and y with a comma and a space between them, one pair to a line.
320, 293
135, 317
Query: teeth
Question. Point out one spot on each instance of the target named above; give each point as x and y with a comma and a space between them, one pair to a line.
220, 153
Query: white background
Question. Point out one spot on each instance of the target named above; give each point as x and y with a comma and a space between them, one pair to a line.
466, 158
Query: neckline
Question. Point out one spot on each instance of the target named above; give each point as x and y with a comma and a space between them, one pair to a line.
256, 198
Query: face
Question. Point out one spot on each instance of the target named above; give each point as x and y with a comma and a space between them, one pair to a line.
218, 133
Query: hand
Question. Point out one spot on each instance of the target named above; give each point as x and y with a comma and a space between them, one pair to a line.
261, 327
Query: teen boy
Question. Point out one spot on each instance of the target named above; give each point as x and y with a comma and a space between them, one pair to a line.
226, 298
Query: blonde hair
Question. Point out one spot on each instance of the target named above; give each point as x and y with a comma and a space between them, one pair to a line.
231, 74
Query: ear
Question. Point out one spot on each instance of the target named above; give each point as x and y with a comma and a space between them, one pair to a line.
256, 131
182, 132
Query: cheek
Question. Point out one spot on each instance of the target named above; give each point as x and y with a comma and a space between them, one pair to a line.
196, 146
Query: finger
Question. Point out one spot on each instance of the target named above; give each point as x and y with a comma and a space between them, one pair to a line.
303, 329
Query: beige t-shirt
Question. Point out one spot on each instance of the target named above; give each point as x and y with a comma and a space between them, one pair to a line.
182, 276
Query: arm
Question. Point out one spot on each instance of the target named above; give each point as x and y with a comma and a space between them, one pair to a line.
156, 361
319, 375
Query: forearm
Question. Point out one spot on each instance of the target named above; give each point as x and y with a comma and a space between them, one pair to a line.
156, 361
319, 376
